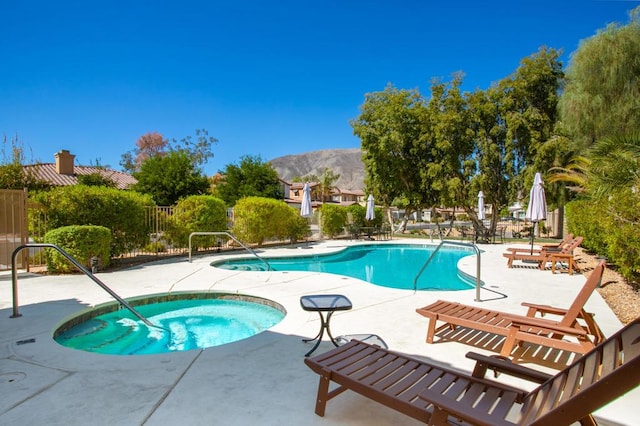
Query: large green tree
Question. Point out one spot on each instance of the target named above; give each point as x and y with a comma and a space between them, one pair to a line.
252, 177
602, 93
390, 127
441, 152
170, 177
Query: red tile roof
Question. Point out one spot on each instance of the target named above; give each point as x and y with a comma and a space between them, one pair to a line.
47, 172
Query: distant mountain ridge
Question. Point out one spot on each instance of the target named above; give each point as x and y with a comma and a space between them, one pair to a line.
345, 162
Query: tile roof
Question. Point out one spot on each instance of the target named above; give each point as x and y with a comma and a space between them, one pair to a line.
47, 172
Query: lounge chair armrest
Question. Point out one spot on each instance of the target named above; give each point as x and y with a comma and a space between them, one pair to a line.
521, 250
499, 364
552, 326
460, 409
543, 309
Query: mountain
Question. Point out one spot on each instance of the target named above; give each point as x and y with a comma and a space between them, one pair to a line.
345, 162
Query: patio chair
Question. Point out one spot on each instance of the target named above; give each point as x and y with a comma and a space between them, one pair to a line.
575, 324
438, 395
543, 256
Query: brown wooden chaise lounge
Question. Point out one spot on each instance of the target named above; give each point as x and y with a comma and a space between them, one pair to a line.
548, 247
575, 324
543, 255
437, 395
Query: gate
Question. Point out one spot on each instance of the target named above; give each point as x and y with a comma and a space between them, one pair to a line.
13, 226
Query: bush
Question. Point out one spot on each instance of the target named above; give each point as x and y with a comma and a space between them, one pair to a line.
122, 212
610, 229
82, 243
333, 219
197, 213
258, 219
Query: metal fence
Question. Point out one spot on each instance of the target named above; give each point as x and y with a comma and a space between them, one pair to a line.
13, 225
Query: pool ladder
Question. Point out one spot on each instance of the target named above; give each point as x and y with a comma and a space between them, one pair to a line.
14, 279
453, 243
233, 238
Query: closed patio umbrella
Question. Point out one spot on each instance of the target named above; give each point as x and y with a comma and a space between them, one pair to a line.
537, 208
481, 215
370, 215
305, 208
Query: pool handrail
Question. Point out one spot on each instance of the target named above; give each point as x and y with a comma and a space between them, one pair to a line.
233, 238
454, 243
14, 280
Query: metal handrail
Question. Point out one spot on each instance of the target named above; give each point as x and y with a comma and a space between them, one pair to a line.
454, 243
14, 279
233, 238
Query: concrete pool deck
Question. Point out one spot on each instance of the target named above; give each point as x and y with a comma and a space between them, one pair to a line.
262, 379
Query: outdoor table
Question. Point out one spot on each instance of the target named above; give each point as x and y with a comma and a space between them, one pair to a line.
324, 303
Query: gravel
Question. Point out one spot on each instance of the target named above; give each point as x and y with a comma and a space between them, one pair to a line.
622, 296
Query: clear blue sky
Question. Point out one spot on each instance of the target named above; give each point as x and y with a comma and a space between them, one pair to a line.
266, 78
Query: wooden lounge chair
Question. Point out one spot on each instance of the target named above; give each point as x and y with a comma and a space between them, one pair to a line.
548, 247
575, 324
437, 395
543, 255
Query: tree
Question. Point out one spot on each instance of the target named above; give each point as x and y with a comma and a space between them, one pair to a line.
12, 172
149, 145
170, 177
326, 183
251, 178
153, 144
601, 95
389, 126
96, 179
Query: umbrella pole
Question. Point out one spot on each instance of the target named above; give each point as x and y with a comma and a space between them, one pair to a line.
533, 233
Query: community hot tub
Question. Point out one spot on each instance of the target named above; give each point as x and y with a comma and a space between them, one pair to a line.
181, 321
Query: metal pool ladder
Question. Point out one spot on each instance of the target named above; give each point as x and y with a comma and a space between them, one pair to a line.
233, 238
14, 279
453, 243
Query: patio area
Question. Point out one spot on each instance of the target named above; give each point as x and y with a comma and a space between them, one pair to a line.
261, 379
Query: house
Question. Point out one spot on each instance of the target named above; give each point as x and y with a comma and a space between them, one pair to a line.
64, 173
347, 197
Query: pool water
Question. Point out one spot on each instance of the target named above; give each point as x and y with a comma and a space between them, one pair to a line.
188, 324
387, 265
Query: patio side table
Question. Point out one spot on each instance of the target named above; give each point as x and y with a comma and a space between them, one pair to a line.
320, 303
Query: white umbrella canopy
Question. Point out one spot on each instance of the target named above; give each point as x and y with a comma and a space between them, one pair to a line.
481, 215
370, 215
305, 208
537, 208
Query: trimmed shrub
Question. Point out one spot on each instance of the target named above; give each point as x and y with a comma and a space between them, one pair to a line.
333, 219
610, 228
197, 213
122, 212
259, 219
82, 242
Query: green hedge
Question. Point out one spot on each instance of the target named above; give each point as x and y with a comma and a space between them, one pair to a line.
197, 213
258, 219
333, 219
123, 212
82, 242
610, 228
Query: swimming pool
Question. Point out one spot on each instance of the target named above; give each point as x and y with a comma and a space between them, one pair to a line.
387, 265
185, 321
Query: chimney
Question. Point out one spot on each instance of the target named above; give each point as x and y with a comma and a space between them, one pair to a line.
64, 162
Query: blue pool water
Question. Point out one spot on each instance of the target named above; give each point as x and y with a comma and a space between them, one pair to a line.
188, 324
387, 265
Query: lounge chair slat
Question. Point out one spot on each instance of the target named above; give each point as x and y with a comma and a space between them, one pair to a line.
396, 376
376, 373
610, 357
